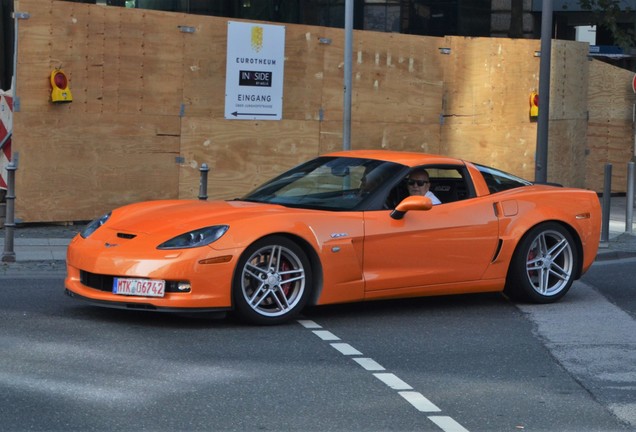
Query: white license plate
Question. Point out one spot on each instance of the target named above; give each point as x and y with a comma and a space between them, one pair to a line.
139, 287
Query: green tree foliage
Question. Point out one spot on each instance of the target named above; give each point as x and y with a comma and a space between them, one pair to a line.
608, 14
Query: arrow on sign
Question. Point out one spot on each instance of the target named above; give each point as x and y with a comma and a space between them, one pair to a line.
236, 114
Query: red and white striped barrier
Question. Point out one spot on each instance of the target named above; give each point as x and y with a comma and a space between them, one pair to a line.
6, 123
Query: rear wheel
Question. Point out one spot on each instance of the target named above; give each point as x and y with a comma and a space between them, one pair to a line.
272, 281
544, 265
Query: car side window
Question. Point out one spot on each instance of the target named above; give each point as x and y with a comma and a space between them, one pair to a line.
447, 183
498, 181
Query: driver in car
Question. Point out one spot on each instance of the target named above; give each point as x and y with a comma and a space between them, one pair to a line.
418, 183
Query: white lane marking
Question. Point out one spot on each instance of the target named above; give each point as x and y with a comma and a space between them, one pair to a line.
369, 364
326, 335
346, 349
308, 324
392, 381
418, 400
447, 424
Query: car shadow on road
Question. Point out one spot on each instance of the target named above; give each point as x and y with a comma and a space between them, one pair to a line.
465, 303
110, 316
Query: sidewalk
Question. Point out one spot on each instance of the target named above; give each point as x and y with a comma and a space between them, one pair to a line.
38, 249
48, 242
620, 244
40, 242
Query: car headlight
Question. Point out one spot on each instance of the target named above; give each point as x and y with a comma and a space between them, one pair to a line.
196, 238
92, 227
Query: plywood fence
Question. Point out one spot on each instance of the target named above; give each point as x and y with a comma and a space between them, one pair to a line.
610, 133
148, 107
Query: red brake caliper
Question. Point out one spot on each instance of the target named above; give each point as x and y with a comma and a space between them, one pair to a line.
284, 266
531, 256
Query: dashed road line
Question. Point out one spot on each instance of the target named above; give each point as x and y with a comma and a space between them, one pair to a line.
419, 401
326, 335
392, 381
416, 399
346, 349
308, 324
369, 364
447, 424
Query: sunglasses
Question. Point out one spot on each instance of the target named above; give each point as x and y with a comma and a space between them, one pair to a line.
420, 183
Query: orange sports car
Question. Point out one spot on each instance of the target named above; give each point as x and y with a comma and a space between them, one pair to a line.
344, 227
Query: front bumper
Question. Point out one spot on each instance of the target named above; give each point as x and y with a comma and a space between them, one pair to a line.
143, 306
210, 279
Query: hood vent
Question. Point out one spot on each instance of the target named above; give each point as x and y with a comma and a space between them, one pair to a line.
126, 236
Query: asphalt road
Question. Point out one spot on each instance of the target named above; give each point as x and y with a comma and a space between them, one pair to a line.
477, 363
616, 280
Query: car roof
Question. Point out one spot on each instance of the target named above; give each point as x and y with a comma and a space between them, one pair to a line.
410, 159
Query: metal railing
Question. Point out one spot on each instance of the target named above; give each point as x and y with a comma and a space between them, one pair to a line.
607, 192
629, 199
8, 255
607, 197
203, 182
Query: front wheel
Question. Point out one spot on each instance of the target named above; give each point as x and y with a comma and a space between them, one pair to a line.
272, 281
544, 265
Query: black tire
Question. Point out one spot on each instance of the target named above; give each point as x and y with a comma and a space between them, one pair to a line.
544, 265
272, 281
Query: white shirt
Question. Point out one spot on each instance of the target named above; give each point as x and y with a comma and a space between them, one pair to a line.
433, 198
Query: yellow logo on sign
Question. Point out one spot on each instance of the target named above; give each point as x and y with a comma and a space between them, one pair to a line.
257, 38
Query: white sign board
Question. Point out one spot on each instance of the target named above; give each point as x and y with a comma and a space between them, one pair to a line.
254, 71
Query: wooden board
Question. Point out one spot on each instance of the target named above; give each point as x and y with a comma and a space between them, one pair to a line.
61, 173
381, 136
396, 78
607, 145
610, 94
241, 158
498, 147
304, 71
489, 80
610, 134
204, 67
566, 155
147, 94
569, 71
95, 66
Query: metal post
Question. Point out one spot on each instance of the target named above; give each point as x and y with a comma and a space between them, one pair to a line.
348, 54
629, 205
607, 191
14, 80
203, 182
541, 158
9, 224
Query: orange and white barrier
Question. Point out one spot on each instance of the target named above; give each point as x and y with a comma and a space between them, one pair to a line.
6, 124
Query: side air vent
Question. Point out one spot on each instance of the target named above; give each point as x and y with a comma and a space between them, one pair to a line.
496, 255
126, 236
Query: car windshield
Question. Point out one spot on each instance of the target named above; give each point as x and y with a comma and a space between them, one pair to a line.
327, 183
